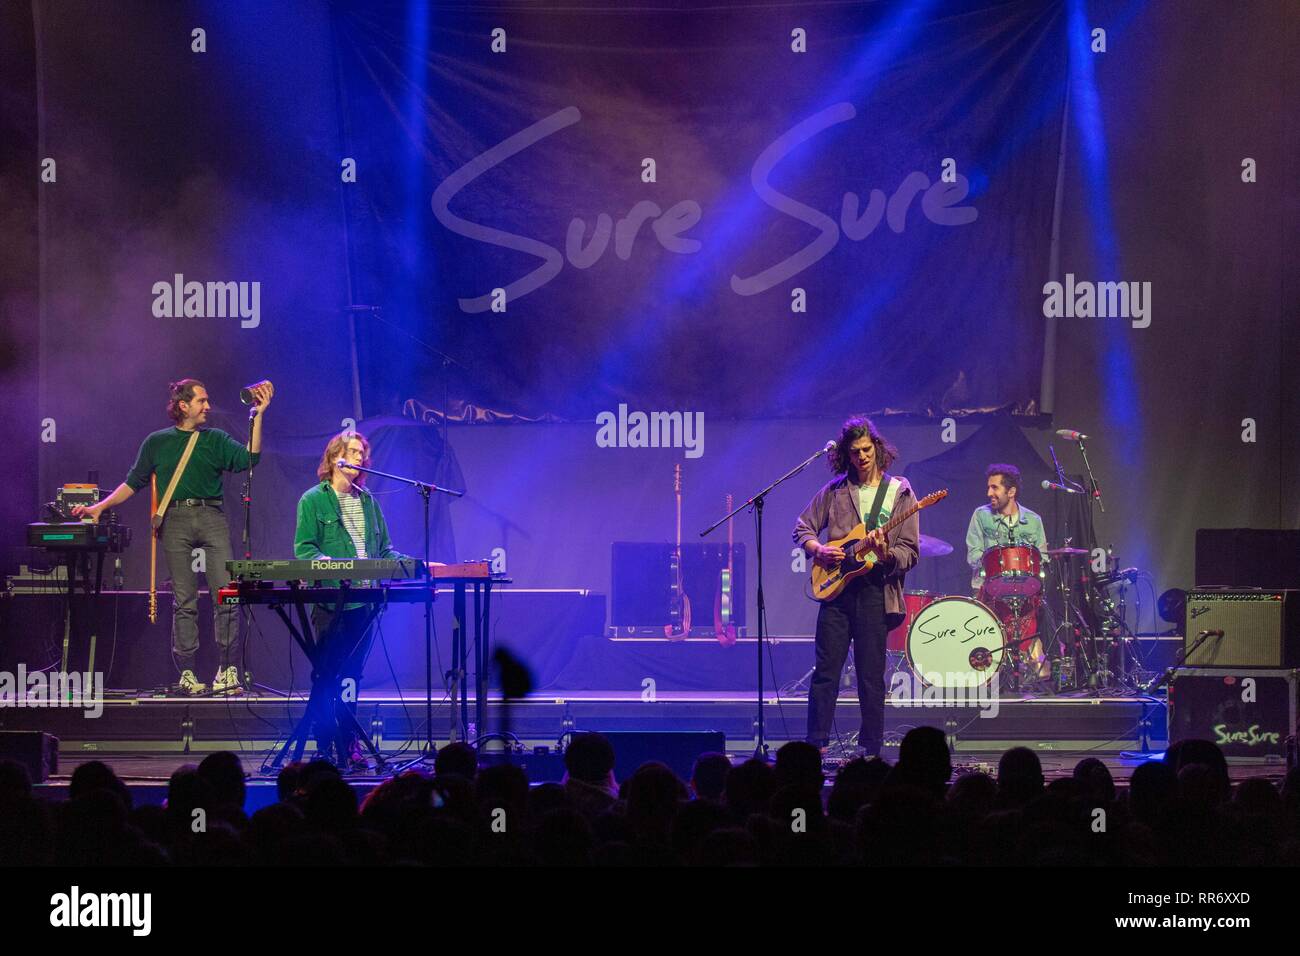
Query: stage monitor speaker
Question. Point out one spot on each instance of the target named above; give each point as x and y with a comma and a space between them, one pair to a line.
36, 751
1248, 558
677, 749
1247, 712
641, 583
1260, 628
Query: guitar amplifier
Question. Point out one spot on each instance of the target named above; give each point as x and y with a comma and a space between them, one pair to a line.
641, 584
1260, 628
1248, 713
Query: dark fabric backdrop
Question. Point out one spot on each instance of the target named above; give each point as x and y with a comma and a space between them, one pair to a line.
902, 318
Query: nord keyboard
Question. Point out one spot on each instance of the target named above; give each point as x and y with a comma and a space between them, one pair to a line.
353, 569
264, 592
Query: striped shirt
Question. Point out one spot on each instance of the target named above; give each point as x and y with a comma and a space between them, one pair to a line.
354, 520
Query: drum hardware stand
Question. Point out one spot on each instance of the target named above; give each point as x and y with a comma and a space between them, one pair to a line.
1014, 646
1071, 623
755, 504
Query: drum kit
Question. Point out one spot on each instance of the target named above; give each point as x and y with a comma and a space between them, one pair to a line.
956, 641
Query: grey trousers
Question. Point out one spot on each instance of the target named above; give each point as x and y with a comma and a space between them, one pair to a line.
184, 530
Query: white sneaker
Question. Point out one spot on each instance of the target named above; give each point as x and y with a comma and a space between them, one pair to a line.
227, 681
189, 684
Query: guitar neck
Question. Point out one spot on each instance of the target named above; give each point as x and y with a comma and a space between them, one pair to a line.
899, 518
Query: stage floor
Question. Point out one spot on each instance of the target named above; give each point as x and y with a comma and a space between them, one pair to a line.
146, 737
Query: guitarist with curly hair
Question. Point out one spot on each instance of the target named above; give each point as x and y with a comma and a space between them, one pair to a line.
862, 613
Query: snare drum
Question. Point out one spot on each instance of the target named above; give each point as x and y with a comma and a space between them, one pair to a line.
1012, 571
955, 642
913, 602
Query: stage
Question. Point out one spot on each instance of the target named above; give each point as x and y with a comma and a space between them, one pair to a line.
145, 738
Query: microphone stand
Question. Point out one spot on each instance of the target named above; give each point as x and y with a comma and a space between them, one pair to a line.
1095, 492
247, 497
425, 489
755, 503
1155, 683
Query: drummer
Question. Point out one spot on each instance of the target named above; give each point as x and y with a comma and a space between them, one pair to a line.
1004, 521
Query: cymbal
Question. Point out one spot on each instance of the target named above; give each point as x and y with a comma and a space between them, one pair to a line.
1061, 552
931, 547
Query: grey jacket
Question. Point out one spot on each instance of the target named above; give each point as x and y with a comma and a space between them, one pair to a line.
834, 510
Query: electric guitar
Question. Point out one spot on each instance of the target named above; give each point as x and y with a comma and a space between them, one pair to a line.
723, 615
859, 556
679, 605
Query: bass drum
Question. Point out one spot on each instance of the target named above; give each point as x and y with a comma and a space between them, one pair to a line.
913, 603
955, 642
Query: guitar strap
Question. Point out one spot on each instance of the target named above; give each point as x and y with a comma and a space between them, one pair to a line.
158, 509
873, 519
157, 519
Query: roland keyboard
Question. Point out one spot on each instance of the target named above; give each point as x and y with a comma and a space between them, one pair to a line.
352, 569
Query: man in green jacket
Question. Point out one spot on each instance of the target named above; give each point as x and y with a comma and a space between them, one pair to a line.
340, 519
195, 520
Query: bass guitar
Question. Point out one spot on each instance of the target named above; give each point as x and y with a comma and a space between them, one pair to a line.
679, 605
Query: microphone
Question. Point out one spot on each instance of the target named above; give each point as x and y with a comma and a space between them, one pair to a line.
830, 446
246, 393
1053, 486
1212, 633
1071, 435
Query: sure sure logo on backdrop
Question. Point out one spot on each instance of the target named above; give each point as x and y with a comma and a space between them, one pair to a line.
938, 201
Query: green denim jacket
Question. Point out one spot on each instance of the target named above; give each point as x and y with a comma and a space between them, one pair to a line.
321, 533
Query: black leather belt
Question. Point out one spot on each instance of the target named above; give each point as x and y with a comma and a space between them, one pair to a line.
198, 502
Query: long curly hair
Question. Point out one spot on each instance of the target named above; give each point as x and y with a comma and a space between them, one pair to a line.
857, 427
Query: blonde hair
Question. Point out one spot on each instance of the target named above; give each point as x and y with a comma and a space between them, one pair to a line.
338, 445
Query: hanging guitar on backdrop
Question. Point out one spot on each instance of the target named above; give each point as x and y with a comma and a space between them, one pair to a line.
860, 557
724, 616
679, 605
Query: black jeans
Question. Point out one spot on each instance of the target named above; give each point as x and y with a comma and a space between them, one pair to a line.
856, 617
184, 530
344, 640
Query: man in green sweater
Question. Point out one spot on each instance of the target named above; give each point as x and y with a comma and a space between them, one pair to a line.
195, 519
338, 518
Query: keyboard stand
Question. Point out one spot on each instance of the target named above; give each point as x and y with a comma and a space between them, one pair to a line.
324, 705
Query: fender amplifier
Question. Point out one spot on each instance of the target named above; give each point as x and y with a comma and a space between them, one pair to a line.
1260, 628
